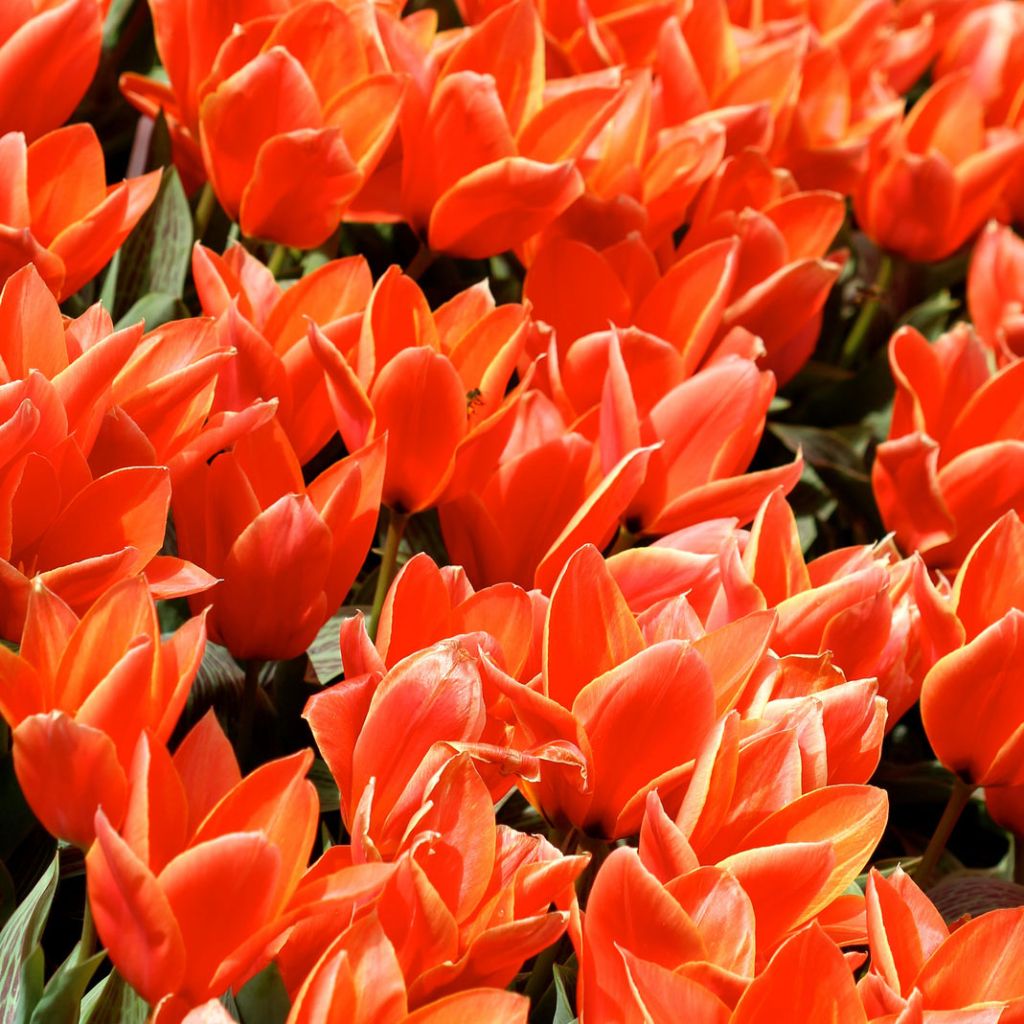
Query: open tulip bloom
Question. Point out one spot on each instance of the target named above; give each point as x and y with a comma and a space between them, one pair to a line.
511, 511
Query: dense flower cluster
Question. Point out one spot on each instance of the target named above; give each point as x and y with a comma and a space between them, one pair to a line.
501, 516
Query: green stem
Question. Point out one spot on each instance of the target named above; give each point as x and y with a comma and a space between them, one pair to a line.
388, 565
204, 211
856, 339
247, 718
87, 943
276, 262
959, 797
421, 262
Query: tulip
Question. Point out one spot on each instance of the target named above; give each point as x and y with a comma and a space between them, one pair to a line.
287, 553
917, 962
187, 40
971, 706
48, 55
359, 979
287, 138
949, 467
425, 605
516, 527
433, 382
995, 291
190, 890
69, 233
268, 326
81, 691
934, 181
467, 902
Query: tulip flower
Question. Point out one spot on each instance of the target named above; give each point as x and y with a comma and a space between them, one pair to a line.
516, 527
971, 706
385, 737
359, 979
467, 903
782, 264
190, 890
81, 691
917, 962
287, 553
934, 181
48, 55
288, 138
607, 695
433, 382
702, 429
426, 604
949, 468
187, 39
68, 232
268, 326
995, 291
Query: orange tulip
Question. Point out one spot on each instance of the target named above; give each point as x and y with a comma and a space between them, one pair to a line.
268, 326
288, 138
188, 37
952, 463
425, 605
971, 706
934, 181
69, 233
995, 291
516, 527
434, 382
287, 552
917, 962
467, 902
359, 980
48, 55
190, 892
81, 692
509, 173
702, 428
782, 264
385, 737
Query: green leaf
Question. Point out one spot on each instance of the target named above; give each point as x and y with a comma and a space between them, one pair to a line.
326, 787
263, 999
19, 941
155, 309
62, 999
156, 256
114, 1001
564, 978
932, 316
116, 15
219, 680
30, 989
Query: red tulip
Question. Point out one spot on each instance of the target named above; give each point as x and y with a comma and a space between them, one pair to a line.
81, 692
69, 233
287, 552
48, 55
191, 891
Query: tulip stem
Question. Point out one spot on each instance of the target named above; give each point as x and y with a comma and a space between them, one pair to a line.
388, 565
204, 211
421, 262
276, 262
247, 718
855, 340
959, 797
